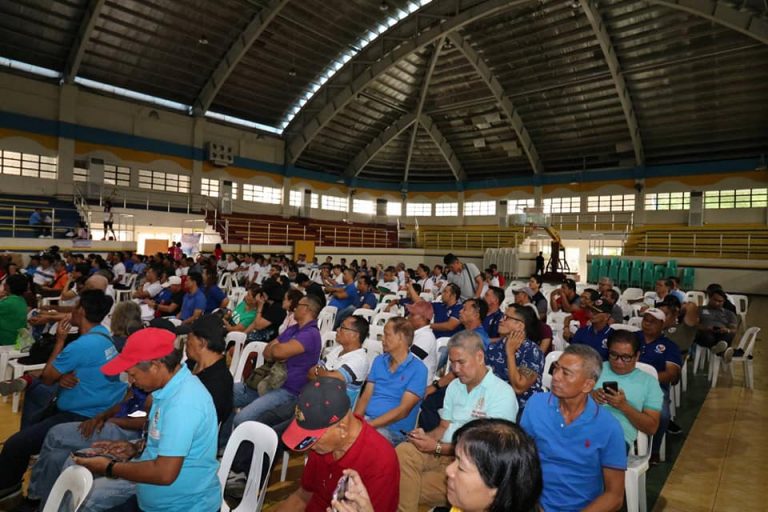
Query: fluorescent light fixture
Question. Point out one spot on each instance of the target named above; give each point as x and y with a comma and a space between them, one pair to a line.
127, 93
29, 68
348, 55
243, 122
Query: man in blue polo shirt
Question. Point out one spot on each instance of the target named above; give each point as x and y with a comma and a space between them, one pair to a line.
581, 445
447, 322
366, 298
194, 301
175, 466
396, 384
476, 393
493, 298
664, 355
595, 335
344, 297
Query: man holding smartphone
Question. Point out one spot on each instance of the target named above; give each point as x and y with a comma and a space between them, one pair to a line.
632, 396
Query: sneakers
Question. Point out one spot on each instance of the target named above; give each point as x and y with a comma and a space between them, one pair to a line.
728, 355
719, 347
9, 387
235, 486
674, 429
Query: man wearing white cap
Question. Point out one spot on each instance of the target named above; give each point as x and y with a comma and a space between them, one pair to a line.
168, 302
661, 353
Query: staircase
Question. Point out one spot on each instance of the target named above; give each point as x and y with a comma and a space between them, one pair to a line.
16, 209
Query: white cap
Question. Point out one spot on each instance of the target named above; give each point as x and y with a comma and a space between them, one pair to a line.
172, 281
655, 313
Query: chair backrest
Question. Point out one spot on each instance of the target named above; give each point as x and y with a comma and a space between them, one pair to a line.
642, 444
747, 341
625, 327
328, 338
129, 280
77, 481
699, 298
388, 298
546, 377
236, 295
636, 321
427, 296
239, 340
741, 302
381, 318
326, 318
264, 441
373, 349
365, 313
632, 294
650, 370
251, 348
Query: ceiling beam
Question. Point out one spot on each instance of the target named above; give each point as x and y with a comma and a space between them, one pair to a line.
746, 21
420, 106
409, 36
609, 53
236, 52
445, 148
368, 153
77, 51
502, 99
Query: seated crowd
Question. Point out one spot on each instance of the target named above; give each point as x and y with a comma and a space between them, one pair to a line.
441, 425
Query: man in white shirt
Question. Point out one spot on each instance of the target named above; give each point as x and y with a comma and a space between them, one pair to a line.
118, 267
347, 361
424, 343
44, 273
151, 287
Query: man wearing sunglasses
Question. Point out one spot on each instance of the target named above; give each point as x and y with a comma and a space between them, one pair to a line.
637, 400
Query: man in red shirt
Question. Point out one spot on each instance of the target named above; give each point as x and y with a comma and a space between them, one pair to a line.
338, 440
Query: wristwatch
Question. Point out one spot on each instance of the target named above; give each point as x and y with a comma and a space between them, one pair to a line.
108, 471
438, 448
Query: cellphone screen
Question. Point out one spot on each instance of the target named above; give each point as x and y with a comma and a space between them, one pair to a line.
341, 488
612, 385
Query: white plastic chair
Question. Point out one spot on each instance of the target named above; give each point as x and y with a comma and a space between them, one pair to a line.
546, 377
386, 299
636, 321
365, 313
264, 441
747, 344
75, 480
632, 294
328, 339
256, 347
741, 302
380, 319
634, 478
625, 327
427, 296
239, 340
236, 295
326, 318
373, 349
19, 370
699, 298
650, 370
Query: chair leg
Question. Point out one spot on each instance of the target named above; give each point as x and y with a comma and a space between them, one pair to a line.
18, 371
715, 369
631, 491
684, 380
642, 499
749, 374
284, 468
663, 448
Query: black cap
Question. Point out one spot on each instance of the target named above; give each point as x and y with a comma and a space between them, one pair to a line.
163, 323
208, 327
321, 404
602, 306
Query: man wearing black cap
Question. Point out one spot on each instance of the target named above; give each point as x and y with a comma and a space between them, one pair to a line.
337, 440
309, 286
596, 334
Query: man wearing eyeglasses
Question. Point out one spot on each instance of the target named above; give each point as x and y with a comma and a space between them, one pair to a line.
637, 400
348, 360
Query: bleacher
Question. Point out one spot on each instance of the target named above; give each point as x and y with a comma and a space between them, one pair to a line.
469, 237
746, 241
637, 272
63, 212
238, 228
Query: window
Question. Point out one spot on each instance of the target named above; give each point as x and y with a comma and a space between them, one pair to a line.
668, 201
158, 180
394, 208
519, 205
365, 206
80, 174
296, 198
209, 188
117, 175
614, 203
259, 194
418, 209
234, 190
28, 165
334, 203
742, 198
446, 209
480, 208
562, 205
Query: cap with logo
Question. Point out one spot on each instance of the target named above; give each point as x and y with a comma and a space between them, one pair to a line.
321, 404
655, 313
143, 345
602, 306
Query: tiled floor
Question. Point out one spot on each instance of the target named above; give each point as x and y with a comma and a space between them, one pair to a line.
723, 464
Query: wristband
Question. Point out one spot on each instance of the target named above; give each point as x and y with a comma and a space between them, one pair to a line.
108, 472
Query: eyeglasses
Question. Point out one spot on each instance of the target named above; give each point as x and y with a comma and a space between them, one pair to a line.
613, 356
302, 304
507, 317
342, 328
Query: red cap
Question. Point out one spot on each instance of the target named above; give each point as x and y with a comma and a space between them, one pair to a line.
143, 345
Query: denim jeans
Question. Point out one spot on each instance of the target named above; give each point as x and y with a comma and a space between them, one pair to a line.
254, 406
394, 437
37, 396
59, 443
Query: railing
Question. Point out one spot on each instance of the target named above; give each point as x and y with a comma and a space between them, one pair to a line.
150, 200
23, 220
703, 244
476, 240
616, 222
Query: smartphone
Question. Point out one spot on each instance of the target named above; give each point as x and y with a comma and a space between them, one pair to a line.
612, 385
404, 433
87, 453
341, 488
